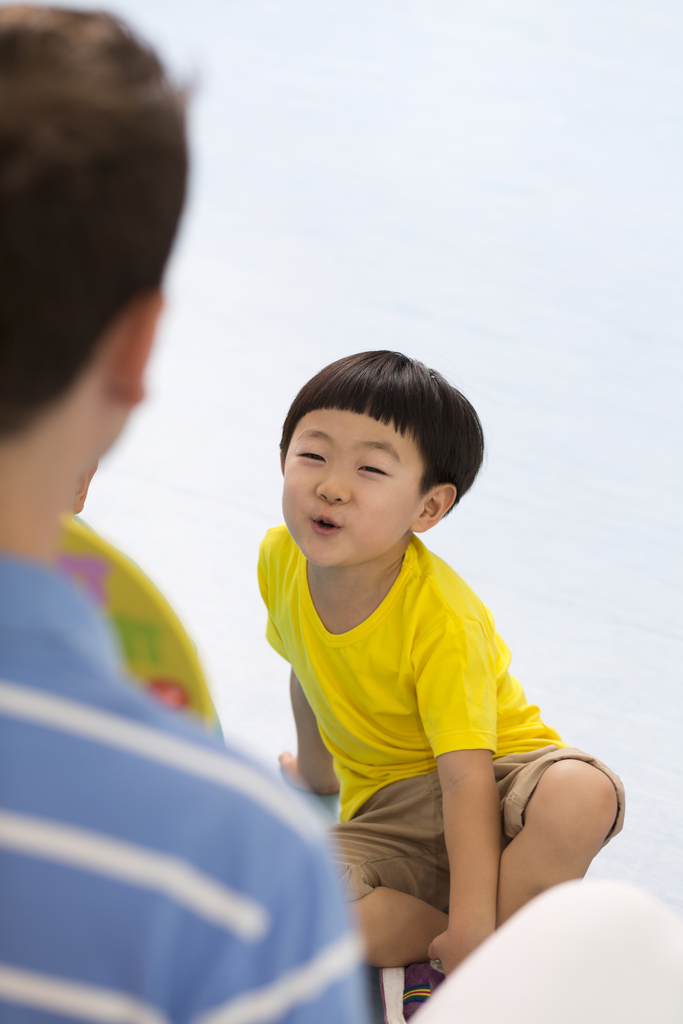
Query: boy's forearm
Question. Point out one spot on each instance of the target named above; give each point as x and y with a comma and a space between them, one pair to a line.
314, 761
471, 811
317, 774
472, 833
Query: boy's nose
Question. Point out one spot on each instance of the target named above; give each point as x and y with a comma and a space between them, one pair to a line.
332, 492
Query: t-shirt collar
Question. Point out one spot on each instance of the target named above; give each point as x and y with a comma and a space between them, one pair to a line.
34, 598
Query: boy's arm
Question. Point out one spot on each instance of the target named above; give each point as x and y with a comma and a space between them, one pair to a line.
471, 814
313, 766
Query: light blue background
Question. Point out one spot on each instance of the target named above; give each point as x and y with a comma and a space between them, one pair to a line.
495, 189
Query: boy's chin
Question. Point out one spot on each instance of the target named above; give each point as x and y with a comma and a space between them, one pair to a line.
321, 559
316, 549
319, 554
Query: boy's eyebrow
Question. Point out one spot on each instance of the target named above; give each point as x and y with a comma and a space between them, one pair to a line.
319, 435
383, 446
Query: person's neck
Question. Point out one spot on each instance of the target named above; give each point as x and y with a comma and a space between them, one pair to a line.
38, 474
345, 596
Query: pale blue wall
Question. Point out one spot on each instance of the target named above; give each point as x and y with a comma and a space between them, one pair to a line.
495, 188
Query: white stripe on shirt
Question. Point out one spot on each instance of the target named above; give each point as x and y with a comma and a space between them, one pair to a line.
301, 985
70, 716
74, 999
98, 1005
136, 865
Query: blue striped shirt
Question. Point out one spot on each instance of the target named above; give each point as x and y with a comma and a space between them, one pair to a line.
147, 874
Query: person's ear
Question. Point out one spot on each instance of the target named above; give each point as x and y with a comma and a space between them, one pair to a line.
283, 456
126, 346
82, 490
436, 505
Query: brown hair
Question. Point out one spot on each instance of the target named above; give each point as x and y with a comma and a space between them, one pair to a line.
93, 167
415, 400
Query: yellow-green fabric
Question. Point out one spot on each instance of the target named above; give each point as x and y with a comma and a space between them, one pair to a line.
425, 674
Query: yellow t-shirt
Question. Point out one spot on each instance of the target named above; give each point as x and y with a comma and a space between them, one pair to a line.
426, 673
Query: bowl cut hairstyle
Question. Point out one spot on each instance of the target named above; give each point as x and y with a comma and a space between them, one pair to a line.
93, 168
404, 393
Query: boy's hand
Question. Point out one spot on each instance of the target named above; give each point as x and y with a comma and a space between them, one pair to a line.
453, 945
313, 769
289, 766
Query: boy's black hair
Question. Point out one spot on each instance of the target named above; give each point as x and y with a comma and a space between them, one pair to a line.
417, 401
93, 165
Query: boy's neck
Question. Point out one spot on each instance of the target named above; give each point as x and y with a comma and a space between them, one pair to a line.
345, 596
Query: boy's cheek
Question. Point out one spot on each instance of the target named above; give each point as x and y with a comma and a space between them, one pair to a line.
292, 489
292, 521
289, 505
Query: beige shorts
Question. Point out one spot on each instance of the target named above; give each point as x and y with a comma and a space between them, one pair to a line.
396, 838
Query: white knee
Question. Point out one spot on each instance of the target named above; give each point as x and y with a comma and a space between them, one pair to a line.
583, 951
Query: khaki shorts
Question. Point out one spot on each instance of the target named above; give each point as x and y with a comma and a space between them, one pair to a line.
396, 838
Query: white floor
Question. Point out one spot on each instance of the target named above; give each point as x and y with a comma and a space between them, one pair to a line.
495, 189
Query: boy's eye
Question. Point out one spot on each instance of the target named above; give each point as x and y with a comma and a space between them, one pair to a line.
311, 455
373, 469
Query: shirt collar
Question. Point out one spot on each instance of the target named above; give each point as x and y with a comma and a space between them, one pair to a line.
36, 599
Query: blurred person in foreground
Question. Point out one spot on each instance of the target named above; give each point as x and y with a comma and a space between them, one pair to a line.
138, 871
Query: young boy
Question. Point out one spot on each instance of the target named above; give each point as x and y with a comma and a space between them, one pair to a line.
400, 685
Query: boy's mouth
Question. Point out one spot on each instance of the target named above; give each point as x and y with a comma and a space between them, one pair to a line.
324, 525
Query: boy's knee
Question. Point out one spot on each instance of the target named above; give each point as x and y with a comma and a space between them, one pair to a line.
575, 792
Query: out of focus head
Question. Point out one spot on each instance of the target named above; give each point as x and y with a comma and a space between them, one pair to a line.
93, 167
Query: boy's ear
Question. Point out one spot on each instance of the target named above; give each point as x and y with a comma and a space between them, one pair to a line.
437, 504
283, 456
126, 345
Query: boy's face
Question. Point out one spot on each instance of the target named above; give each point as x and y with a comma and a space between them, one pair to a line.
352, 488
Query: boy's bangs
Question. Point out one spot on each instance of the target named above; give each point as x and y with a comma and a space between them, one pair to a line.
386, 391
388, 386
405, 394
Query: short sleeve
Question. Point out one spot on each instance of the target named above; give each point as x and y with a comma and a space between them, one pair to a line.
272, 633
456, 683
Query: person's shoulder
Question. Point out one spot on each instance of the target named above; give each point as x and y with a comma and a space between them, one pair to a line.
239, 826
157, 779
190, 831
267, 847
441, 591
277, 543
279, 557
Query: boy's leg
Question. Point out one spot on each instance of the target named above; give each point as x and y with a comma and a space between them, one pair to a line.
398, 928
393, 865
566, 820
